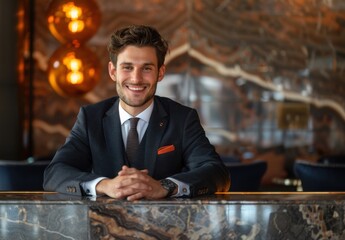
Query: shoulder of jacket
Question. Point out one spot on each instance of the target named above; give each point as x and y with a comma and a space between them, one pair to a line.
170, 104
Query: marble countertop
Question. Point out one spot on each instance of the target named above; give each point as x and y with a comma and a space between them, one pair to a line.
218, 198
240, 215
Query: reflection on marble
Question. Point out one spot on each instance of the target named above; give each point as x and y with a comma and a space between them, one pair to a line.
265, 216
38, 220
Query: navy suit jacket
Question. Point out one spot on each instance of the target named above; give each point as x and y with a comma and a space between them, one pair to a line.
95, 149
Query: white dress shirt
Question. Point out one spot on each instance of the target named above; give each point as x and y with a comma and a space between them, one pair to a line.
144, 117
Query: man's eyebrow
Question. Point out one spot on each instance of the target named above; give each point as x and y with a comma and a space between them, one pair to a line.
145, 64
149, 64
126, 63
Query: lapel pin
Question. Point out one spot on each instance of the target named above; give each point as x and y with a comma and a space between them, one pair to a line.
161, 124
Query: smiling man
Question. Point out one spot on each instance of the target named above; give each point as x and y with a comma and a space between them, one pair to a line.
169, 155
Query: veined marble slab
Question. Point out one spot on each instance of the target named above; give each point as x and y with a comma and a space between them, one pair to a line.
222, 216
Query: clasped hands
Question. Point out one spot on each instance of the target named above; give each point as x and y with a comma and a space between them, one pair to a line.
131, 184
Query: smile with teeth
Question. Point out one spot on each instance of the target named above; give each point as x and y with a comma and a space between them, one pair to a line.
135, 88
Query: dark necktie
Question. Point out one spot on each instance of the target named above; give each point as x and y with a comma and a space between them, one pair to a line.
132, 141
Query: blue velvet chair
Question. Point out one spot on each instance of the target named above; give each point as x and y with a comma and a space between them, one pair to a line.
22, 175
320, 177
246, 177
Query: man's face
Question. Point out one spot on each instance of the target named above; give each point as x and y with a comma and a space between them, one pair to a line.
136, 75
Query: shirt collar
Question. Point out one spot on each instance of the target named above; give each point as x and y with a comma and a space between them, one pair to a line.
144, 115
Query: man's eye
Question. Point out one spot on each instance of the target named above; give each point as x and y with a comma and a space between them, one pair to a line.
127, 67
147, 69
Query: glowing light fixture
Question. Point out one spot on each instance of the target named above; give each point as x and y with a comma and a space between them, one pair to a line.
73, 69
70, 20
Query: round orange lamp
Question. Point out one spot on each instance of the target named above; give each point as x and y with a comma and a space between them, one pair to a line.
73, 71
73, 20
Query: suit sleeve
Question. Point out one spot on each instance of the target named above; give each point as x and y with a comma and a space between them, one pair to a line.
205, 172
72, 163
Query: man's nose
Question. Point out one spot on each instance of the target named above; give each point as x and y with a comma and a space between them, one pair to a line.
137, 75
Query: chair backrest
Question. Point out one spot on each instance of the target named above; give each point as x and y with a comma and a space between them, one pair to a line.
332, 159
246, 177
320, 177
21, 175
229, 159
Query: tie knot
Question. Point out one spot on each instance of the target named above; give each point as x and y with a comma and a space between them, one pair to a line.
133, 122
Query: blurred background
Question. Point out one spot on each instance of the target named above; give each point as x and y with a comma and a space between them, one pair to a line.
267, 77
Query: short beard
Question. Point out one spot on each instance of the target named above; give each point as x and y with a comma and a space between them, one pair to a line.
129, 103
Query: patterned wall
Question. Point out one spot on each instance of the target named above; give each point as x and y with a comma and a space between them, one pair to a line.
266, 76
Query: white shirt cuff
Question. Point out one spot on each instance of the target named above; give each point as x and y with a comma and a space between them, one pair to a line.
90, 186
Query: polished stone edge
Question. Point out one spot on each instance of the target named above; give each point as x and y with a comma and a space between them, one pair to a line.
219, 198
43, 215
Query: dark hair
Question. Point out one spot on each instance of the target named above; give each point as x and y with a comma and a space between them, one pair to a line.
140, 36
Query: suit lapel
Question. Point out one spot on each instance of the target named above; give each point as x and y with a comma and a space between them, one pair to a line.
113, 135
154, 134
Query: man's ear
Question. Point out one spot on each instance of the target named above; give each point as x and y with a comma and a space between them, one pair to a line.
112, 71
161, 73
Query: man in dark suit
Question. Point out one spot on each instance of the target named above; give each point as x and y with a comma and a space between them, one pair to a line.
173, 158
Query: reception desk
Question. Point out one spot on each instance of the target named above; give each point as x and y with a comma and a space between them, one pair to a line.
291, 215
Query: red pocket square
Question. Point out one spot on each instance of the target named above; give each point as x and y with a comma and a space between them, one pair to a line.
166, 149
